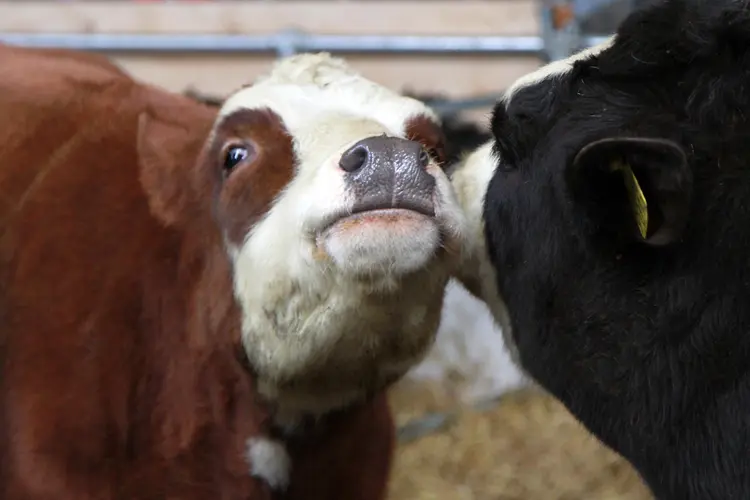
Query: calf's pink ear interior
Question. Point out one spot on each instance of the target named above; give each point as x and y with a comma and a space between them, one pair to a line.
643, 185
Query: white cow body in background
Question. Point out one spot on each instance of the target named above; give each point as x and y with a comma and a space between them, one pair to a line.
470, 354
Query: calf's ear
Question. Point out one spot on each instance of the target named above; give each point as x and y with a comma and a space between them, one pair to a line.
639, 185
169, 142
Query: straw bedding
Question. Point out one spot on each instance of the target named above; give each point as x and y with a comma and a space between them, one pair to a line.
524, 446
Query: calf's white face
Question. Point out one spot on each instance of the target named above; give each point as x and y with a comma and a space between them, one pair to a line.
341, 280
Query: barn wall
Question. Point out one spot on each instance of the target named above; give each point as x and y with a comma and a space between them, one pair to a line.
455, 75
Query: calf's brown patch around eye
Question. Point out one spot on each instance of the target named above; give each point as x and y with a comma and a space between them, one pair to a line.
250, 189
423, 129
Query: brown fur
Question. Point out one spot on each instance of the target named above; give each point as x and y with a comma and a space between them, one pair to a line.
121, 370
424, 130
349, 459
253, 185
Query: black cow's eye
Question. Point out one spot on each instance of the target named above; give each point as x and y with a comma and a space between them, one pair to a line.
504, 155
234, 156
505, 167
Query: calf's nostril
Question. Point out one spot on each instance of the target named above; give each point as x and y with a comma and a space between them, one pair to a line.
354, 158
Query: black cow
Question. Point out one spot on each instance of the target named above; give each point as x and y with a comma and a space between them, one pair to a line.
612, 214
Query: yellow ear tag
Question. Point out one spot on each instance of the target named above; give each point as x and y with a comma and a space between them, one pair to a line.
637, 199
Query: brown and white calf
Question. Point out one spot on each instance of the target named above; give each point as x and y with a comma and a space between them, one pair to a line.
192, 301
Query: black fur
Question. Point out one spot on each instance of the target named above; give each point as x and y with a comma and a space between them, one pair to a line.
648, 345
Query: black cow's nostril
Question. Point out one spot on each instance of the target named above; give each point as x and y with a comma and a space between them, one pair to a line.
354, 158
424, 158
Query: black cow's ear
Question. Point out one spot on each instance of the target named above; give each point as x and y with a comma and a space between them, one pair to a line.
640, 185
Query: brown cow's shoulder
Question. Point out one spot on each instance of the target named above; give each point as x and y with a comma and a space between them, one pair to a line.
120, 373
47, 103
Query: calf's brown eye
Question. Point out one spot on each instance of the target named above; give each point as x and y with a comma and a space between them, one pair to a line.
234, 156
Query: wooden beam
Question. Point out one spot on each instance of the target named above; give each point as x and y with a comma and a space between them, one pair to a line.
457, 76
418, 17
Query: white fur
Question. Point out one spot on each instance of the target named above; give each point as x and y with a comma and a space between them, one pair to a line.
555, 68
470, 345
269, 461
470, 182
330, 312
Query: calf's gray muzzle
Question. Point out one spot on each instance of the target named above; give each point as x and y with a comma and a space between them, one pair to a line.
389, 172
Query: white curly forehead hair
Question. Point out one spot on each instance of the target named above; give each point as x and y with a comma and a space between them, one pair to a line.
341, 280
318, 83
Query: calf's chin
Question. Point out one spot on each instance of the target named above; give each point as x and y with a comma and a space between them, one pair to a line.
400, 244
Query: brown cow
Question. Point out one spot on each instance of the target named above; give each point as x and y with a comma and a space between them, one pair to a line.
182, 293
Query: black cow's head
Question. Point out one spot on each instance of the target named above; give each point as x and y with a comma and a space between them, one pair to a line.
609, 215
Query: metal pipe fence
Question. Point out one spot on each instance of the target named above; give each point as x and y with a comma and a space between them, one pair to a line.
557, 39
286, 43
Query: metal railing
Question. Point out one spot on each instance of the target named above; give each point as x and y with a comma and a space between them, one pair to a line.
560, 36
286, 43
